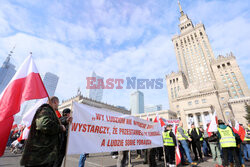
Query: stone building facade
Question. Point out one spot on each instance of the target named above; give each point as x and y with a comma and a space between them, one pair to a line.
84, 100
204, 84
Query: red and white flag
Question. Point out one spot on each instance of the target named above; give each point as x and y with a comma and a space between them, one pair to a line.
158, 119
213, 124
25, 85
240, 130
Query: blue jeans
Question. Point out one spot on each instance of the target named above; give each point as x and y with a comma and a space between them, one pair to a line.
185, 147
205, 148
240, 155
247, 151
82, 160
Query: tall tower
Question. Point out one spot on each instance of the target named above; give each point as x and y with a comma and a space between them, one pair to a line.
50, 82
7, 71
137, 102
204, 84
95, 94
193, 50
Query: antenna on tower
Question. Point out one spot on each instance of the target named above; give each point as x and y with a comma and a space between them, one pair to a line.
10, 54
181, 11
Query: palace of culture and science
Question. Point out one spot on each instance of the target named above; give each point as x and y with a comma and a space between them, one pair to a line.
204, 84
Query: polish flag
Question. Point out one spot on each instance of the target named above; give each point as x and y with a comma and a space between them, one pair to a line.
25, 85
147, 118
177, 151
213, 125
240, 130
158, 119
209, 133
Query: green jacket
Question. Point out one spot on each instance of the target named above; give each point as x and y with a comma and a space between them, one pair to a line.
42, 145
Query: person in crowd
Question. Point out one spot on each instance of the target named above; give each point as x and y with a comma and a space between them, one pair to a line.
114, 154
42, 146
65, 120
159, 153
151, 157
182, 136
122, 158
246, 143
215, 149
169, 142
206, 136
82, 160
196, 136
228, 143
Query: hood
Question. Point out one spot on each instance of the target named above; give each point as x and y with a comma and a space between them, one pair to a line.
222, 126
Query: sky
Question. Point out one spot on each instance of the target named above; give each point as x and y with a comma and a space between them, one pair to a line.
117, 39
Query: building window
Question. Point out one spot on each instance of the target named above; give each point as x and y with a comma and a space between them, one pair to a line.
228, 63
222, 98
196, 101
227, 113
172, 94
204, 100
223, 65
170, 81
218, 66
224, 105
177, 106
233, 74
189, 103
175, 92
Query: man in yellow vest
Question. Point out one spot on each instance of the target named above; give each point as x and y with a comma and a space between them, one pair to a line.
246, 143
196, 136
228, 143
182, 136
169, 141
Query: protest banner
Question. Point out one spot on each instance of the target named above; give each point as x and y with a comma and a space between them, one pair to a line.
95, 130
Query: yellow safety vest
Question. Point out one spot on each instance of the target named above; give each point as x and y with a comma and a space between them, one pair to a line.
179, 136
167, 140
227, 138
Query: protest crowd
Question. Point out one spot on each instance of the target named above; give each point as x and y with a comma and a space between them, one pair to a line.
47, 141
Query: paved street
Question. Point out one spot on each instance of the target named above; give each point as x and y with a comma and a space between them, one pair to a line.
94, 160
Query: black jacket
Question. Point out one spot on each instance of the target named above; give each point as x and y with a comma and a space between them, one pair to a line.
194, 135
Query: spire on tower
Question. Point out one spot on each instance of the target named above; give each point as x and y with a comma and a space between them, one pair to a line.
7, 60
181, 11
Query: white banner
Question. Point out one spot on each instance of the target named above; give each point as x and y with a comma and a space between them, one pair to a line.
95, 130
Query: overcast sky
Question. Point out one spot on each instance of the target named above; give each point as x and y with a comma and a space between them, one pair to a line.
116, 39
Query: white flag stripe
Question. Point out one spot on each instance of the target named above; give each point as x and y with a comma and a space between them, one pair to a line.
23, 72
28, 116
213, 124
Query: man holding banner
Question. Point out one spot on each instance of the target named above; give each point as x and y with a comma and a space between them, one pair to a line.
42, 144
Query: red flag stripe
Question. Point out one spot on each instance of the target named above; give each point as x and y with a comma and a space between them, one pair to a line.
20, 90
5, 132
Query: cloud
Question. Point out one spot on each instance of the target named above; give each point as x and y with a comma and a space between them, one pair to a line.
116, 38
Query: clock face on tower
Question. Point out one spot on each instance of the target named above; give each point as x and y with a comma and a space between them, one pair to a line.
182, 21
